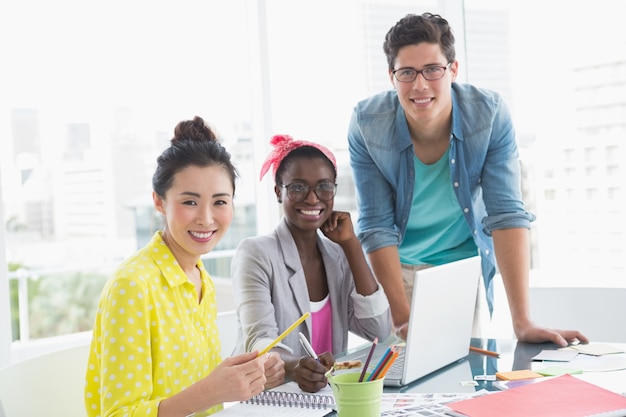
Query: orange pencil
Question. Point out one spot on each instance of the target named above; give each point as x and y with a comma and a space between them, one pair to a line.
381, 363
484, 352
390, 362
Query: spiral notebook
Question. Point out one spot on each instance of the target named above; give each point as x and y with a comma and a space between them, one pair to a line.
285, 401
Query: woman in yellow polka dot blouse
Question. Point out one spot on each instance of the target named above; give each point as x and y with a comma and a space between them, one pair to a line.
155, 348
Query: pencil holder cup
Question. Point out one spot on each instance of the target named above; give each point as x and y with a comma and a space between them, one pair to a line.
354, 398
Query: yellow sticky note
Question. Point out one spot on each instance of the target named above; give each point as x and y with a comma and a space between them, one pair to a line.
520, 374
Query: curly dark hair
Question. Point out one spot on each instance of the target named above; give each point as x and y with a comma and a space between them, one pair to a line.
414, 29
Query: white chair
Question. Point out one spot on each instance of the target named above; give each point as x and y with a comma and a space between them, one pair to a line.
227, 327
50, 385
596, 312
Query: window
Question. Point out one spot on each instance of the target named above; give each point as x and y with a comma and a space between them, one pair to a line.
590, 154
549, 194
91, 93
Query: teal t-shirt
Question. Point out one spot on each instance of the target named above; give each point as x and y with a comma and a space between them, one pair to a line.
436, 232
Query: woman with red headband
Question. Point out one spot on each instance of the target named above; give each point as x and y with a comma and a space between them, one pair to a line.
295, 269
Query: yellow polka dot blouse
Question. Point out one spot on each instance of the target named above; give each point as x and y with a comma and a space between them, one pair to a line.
151, 337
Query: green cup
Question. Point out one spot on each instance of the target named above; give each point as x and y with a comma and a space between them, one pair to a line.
354, 398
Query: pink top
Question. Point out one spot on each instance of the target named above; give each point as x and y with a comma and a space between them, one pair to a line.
322, 319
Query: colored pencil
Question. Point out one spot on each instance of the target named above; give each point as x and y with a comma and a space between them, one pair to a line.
484, 352
387, 366
380, 363
369, 358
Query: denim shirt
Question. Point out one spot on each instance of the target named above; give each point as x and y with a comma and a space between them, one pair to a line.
484, 169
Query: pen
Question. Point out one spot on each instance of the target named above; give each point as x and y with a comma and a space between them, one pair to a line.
369, 358
484, 352
285, 333
307, 346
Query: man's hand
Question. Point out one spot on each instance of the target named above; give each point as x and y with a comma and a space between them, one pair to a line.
536, 334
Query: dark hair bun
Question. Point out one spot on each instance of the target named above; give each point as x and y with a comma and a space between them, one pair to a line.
193, 130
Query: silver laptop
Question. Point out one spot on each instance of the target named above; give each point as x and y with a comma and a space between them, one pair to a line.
440, 324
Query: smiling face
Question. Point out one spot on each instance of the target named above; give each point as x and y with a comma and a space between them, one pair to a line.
425, 102
198, 209
311, 213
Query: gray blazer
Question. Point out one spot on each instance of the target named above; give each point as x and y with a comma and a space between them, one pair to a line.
270, 293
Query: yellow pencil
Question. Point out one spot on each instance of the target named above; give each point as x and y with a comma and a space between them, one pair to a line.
285, 333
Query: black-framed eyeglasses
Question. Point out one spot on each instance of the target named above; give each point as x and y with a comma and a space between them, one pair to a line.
430, 73
298, 191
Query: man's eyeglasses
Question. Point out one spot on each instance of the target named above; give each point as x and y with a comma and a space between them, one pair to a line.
431, 73
298, 192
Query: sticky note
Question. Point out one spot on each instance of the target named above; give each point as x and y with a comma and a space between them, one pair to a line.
520, 374
558, 371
